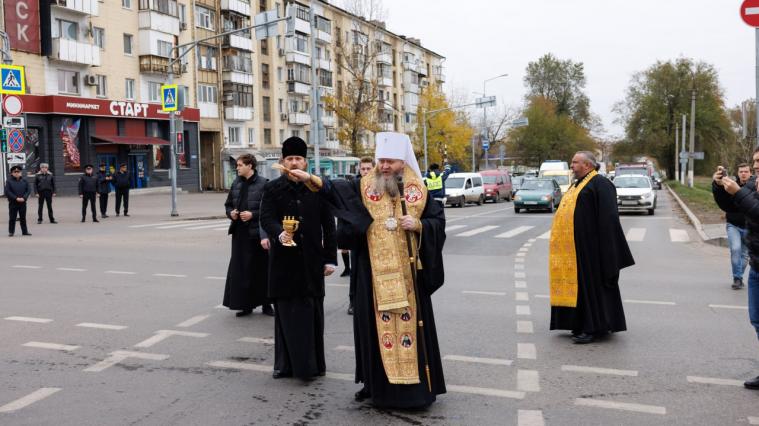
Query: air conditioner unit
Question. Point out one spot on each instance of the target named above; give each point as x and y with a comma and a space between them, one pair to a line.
182, 26
183, 68
283, 117
281, 52
91, 80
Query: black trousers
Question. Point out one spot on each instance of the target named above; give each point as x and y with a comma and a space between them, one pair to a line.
45, 197
17, 209
88, 197
103, 203
122, 193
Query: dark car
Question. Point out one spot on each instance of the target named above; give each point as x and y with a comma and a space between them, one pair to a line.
538, 194
516, 182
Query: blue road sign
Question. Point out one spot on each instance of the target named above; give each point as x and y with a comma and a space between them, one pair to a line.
169, 97
485, 144
12, 79
16, 140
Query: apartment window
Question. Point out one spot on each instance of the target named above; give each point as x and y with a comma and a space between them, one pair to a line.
302, 12
280, 106
279, 73
267, 136
267, 108
281, 135
168, 7
101, 89
300, 42
67, 29
324, 25
204, 18
129, 88
251, 136
296, 133
279, 42
299, 72
127, 4
238, 95
164, 49
207, 93
68, 82
325, 78
128, 44
154, 92
98, 36
265, 46
182, 14
339, 64
207, 58
234, 135
262, 6
265, 76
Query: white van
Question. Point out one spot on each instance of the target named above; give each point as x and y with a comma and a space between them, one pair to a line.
462, 188
553, 165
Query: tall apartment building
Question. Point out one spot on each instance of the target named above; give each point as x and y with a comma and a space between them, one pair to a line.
95, 68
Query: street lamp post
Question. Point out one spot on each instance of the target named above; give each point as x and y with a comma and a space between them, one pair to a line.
485, 117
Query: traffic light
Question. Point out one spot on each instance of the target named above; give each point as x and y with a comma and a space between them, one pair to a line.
3, 140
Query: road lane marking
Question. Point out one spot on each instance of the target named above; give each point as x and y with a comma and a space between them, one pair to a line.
521, 254
520, 284
528, 380
118, 356
649, 302
477, 215
519, 266
53, 346
532, 240
524, 249
636, 234
753, 420
241, 366
485, 293
212, 225
121, 272
714, 381
486, 391
514, 232
519, 259
624, 406
162, 335
478, 360
192, 321
183, 225
476, 231
147, 225
338, 285
530, 418
261, 340
525, 327
742, 307
29, 319
541, 296
26, 267
526, 351
598, 370
216, 278
28, 400
454, 227
101, 326
342, 348
678, 235
520, 275
521, 296
545, 236
170, 275
224, 228
523, 310
71, 269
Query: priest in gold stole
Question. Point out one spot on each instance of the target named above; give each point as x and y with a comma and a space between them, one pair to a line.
389, 359
587, 250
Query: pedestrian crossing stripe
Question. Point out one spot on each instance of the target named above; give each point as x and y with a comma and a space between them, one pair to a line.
12, 78
169, 97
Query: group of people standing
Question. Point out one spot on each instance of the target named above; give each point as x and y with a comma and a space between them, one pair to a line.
289, 225
91, 186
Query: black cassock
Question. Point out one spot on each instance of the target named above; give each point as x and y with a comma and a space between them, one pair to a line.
296, 275
354, 221
602, 251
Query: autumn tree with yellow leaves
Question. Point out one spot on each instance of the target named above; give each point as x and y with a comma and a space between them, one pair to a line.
448, 132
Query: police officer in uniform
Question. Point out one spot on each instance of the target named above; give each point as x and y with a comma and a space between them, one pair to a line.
436, 180
18, 190
104, 188
44, 185
123, 182
88, 186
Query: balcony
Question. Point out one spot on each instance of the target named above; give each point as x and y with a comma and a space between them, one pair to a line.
86, 7
328, 120
302, 26
208, 109
324, 64
298, 88
238, 70
411, 102
239, 41
387, 127
237, 77
238, 113
158, 65
331, 144
157, 21
75, 52
299, 119
385, 58
412, 66
323, 37
385, 81
239, 6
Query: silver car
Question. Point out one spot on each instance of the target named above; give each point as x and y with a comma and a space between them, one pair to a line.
635, 194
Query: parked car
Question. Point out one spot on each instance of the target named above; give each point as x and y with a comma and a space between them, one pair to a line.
538, 194
462, 188
562, 177
497, 184
516, 182
635, 193
656, 180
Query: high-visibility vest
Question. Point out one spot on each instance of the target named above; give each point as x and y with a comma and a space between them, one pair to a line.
434, 182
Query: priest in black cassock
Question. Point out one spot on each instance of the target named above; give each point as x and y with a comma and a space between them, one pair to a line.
297, 271
587, 250
391, 362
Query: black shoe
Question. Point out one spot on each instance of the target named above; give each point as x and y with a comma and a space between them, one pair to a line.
53, 221
94, 220
346, 272
267, 310
244, 312
10, 235
737, 283
104, 216
39, 221
362, 394
117, 214
280, 374
350, 309
28, 234
752, 384
125, 214
583, 338
82, 220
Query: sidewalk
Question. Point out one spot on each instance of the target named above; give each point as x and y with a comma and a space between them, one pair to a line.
712, 233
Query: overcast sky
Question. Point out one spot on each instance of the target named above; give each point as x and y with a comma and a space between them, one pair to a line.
613, 38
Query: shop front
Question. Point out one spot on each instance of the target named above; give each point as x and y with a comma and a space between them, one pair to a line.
70, 132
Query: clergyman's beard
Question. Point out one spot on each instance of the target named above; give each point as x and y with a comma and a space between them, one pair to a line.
386, 184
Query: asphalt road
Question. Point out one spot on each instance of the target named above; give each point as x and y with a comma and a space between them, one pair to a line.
118, 323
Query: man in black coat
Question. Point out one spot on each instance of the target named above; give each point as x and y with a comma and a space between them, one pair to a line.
17, 190
104, 188
297, 271
44, 185
123, 182
88, 186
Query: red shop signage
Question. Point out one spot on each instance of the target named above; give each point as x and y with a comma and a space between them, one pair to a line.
22, 23
70, 105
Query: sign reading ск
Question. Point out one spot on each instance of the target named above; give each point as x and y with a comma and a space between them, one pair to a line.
22, 23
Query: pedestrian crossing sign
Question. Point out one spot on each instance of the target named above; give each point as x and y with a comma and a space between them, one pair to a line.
12, 79
169, 97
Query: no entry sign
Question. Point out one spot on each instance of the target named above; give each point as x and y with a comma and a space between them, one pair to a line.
750, 12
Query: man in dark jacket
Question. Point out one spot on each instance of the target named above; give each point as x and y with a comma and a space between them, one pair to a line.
730, 197
104, 188
123, 182
17, 190
736, 228
88, 186
44, 185
298, 262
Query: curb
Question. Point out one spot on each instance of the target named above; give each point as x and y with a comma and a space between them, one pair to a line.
719, 241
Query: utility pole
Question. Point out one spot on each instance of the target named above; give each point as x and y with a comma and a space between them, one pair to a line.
682, 149
677, 151
424, 137
172, 145
315, 98
692, 136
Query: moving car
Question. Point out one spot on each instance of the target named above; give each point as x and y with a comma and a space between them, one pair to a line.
462, 188
635, 193
562, 177
497, 184
538, 194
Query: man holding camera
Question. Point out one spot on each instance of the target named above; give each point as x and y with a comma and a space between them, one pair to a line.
731, 197
736, 226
